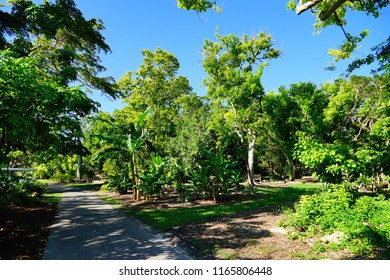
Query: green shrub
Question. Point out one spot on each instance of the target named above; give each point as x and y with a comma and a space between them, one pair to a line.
216, 176
61, 178
20, 191
120, 183
364, 220
42, 172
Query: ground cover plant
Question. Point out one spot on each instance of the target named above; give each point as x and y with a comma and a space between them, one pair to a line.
20, 191
361, 221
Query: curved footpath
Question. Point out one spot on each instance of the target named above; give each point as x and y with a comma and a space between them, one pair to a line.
86, 228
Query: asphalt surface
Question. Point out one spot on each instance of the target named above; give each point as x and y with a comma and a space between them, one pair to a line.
86, 228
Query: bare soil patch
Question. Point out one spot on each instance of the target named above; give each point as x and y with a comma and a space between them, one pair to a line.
24, 231
251, 235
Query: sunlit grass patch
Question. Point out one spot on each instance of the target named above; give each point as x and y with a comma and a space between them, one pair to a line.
166, 218
52, 197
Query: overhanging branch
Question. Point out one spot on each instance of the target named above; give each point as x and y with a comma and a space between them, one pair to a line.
300, 8
325, 15
304, 7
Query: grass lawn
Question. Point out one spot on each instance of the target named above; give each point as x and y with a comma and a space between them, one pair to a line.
53, 197
166, 218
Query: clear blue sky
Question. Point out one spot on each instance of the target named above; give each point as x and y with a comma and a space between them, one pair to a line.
135, 25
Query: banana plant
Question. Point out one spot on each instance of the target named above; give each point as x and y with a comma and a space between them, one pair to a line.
121, 146
153, 178
217, 176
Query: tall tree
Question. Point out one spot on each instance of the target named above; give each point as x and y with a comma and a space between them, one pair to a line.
234, 66
350, 146
294, 110
57, 34
58, 47
37, 113
156, 85
190, 138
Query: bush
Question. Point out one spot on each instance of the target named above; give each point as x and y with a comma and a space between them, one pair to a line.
61, 178
363, 220
42, 172
120, 183
216, 176
20, 191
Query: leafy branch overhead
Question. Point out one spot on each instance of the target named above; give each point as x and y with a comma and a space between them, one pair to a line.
327, 13
334, 12
198, 5
56, 33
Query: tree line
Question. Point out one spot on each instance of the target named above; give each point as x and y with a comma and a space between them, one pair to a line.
167, 135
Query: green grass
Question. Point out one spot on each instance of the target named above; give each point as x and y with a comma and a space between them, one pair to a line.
52, 197
45, 181
162, 219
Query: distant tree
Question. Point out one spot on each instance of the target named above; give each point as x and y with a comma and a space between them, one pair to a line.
353, 145
191, 136
282, 121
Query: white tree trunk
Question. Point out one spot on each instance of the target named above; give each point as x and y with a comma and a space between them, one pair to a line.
250, 160
79, 165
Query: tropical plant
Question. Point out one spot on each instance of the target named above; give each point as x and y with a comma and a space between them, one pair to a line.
153, 177
120, 147
20, 191
216, 175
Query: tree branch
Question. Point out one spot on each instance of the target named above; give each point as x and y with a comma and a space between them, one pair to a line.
325, 15
304, 7
235, 124
340, 23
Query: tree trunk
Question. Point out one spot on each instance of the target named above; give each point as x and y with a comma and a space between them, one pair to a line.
293, 171
79, 164
137, 195
250, 159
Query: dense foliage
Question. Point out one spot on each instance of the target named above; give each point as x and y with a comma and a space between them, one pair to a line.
167, 139
17, 191
45, 51
361, 221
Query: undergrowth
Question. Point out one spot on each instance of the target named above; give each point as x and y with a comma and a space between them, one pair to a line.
19, 191
362, 220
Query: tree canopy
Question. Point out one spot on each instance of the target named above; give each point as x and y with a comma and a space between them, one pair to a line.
234, 66
46, 51
57, 34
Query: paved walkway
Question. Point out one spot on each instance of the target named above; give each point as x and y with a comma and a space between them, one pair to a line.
86, 228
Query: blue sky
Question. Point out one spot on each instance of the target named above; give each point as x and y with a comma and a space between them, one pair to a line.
135, 25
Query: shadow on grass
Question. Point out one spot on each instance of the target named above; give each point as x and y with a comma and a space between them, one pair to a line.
166, 218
